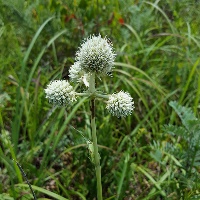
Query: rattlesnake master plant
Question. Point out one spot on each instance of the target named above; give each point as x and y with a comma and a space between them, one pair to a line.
94, 57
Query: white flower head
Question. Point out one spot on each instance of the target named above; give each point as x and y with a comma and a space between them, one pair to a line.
96, 55
60, 92
120, 104
76, 74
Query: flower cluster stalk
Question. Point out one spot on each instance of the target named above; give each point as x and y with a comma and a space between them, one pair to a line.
94, 137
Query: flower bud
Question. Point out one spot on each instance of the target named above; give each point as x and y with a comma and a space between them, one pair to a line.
120, 104
96, 55
76, 74
60, 92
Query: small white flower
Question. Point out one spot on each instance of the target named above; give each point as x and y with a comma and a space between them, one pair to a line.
76, 74
96, 55
120, 104
60, 92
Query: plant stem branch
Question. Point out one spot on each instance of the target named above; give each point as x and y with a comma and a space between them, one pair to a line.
94, 138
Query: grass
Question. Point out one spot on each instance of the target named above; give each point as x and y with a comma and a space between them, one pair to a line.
157, 46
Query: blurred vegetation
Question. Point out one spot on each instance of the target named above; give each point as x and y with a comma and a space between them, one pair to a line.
157, 44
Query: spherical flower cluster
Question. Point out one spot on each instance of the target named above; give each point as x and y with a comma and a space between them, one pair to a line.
60, 92
96, 55
76, 74
120, 104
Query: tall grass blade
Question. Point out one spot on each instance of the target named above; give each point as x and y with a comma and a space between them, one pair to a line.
43, 191
24, 175
163, 13
135, 34
19, 104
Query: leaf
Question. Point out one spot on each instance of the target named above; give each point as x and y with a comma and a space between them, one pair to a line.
44, 191
175, 130
155, 183
186, 114
157, 155
197, 159
5, 197
112, 197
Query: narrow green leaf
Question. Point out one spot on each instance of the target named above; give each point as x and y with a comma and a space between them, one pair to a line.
157, 185
47, 192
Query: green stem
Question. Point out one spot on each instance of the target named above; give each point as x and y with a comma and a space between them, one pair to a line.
85, 94
94, 138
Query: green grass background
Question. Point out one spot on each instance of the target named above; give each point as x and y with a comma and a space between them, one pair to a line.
157, 44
